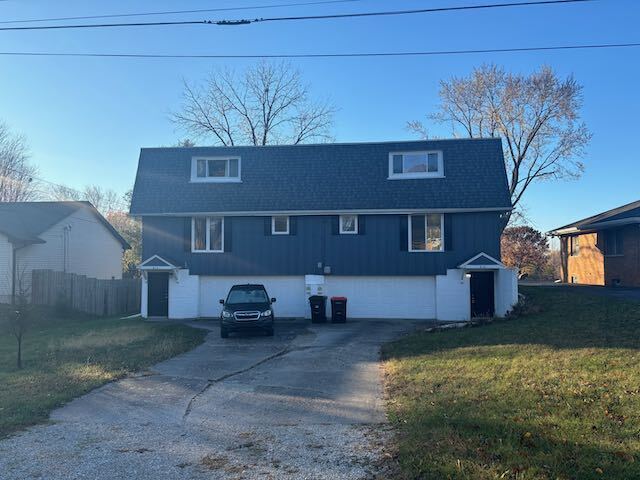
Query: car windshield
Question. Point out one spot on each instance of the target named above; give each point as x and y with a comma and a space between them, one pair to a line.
247, 295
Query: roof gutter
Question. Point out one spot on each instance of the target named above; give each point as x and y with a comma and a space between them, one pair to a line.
269, 213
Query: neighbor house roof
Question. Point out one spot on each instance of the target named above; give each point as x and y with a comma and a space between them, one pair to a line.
322, 177
23, 222
624, 215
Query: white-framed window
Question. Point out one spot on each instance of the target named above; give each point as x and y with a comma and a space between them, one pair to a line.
426, 233
207, 234
280, 225
348, 224
215, 169
424, 164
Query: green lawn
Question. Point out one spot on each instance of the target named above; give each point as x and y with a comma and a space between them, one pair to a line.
553, 394
66, 357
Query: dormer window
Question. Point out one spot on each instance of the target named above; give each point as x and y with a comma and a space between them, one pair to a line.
415, 164
215, 169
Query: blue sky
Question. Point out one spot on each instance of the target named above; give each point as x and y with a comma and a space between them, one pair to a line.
86, 119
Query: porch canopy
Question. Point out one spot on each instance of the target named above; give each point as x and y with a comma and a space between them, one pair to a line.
156, 263
482, 261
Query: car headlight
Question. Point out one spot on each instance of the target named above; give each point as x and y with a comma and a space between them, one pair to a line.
267, 313
226, 314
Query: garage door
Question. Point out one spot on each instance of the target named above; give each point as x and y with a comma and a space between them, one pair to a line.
385, 297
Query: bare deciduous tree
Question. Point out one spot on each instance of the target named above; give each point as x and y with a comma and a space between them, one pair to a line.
267, 104
537, 116
104, 199
16, 173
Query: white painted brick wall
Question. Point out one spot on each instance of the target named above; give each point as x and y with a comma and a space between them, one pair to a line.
144, 304
506, 286
453, 296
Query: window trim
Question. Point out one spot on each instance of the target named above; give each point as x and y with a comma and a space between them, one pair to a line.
426, 229
273, 225
346, 232
401, 176
207, 235
206, 179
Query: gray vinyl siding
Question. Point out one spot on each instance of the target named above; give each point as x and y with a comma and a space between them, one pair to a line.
376, 252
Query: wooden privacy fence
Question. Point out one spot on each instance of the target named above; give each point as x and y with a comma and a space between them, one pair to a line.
89, 295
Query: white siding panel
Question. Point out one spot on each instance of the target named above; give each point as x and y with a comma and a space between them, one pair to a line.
506, 288
288, 290
453, 296
6, 269
385, 297
92, 250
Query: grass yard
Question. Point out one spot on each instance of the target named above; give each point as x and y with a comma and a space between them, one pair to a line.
69, 356
553, 394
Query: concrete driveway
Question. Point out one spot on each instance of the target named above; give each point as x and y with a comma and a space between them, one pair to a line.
306, 403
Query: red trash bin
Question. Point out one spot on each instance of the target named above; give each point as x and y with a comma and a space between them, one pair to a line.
338, 309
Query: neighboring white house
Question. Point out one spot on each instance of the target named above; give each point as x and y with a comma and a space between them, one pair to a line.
68, 237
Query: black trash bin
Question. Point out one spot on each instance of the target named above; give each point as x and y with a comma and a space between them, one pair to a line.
338, 309
318, 308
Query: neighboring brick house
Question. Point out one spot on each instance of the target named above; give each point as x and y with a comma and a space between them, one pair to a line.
403, 229
603, 249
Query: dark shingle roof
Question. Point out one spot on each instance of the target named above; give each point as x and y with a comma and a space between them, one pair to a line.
322, 177
630, 210
24, 221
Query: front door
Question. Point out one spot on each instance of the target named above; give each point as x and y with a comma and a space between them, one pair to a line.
482, 294
158, 294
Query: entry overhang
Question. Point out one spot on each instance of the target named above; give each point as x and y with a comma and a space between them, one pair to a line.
482, 261
156, 263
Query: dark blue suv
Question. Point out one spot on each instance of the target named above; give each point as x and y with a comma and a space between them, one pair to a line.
247, 307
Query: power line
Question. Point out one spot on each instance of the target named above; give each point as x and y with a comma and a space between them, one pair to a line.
300, 18
178, 12
325, 55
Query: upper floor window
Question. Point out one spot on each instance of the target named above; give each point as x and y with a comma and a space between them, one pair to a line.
416, 164
348, 224
426, 233
215, 169
280, 225
613, 242
207, 234
574, 246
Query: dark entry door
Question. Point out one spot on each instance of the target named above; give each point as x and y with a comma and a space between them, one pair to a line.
482, 295
158, 294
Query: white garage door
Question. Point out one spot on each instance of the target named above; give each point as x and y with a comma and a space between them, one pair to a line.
288, 291
385, 297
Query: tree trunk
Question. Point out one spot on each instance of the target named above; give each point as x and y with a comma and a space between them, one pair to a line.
19, 360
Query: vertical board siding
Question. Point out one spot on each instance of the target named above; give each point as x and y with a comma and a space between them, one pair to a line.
379, 251
85, 294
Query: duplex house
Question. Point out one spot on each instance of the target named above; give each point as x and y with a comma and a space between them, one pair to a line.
68, 237
603, 249
402, 229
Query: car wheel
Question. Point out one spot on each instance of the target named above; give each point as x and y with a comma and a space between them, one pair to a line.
224, 333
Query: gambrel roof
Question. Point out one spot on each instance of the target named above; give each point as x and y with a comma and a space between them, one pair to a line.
323, 177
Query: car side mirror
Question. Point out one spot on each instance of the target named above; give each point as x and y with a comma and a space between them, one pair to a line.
273, 300
221, 302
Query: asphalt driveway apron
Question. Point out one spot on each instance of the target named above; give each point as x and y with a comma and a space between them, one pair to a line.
306, 403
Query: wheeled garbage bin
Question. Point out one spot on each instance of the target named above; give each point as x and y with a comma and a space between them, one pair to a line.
318, 305
338, 309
